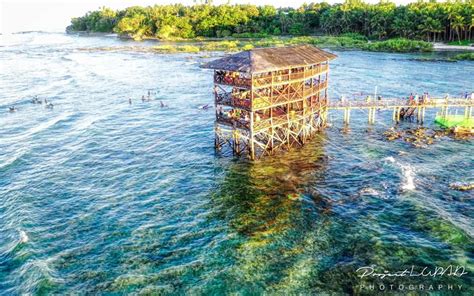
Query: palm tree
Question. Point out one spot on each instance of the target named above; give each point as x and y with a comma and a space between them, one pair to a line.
471, 26
458, 24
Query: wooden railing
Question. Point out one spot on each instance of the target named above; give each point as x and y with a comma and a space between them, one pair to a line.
277, 120
259, 102
232, 121
267, 80
223, 98
230, 99
237, 81
278, 79
265, 101
403, 103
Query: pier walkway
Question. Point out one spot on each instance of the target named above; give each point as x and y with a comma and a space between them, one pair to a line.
402, 108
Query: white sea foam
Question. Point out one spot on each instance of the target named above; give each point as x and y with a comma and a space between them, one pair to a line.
407, 172
85, 123
409, 176
369, 191
23, 237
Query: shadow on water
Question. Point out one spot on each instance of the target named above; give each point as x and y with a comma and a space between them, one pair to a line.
275, 216
290, 237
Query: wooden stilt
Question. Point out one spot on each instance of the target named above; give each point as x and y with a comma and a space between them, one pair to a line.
468, 112
237, 142
251, 140
372, 115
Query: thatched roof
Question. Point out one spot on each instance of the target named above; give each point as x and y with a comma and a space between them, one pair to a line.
271, 59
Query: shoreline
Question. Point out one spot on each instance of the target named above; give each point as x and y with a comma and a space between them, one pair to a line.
278, 41
438, 46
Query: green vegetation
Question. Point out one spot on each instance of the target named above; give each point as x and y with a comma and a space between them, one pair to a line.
462, 42
103, 20
174, 48
455, 120
353, 22
464, 56
339, 42
430, 21
400, 45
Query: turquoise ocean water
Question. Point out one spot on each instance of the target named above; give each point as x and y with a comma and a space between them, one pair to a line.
101, 197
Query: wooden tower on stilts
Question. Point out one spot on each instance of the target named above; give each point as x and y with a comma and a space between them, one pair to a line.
269, 99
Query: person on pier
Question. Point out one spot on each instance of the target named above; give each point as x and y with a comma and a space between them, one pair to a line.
343, 99
427, 98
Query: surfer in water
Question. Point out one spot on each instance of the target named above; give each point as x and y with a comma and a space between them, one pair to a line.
12, 109
35, 100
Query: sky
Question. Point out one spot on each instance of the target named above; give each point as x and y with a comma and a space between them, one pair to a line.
55, 15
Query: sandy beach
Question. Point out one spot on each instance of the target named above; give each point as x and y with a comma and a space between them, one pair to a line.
445, 47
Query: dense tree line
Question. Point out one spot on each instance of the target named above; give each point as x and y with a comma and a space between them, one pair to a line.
429, 21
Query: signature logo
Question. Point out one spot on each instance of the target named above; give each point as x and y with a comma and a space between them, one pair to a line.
438, 271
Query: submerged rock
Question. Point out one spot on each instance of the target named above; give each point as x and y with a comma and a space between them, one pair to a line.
294, 196
420, 137
462, 186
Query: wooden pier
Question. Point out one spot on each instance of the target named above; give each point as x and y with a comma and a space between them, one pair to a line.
269, 99
402, 108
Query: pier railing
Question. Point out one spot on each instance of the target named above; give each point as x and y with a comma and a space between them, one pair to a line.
402, 108
390, 103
